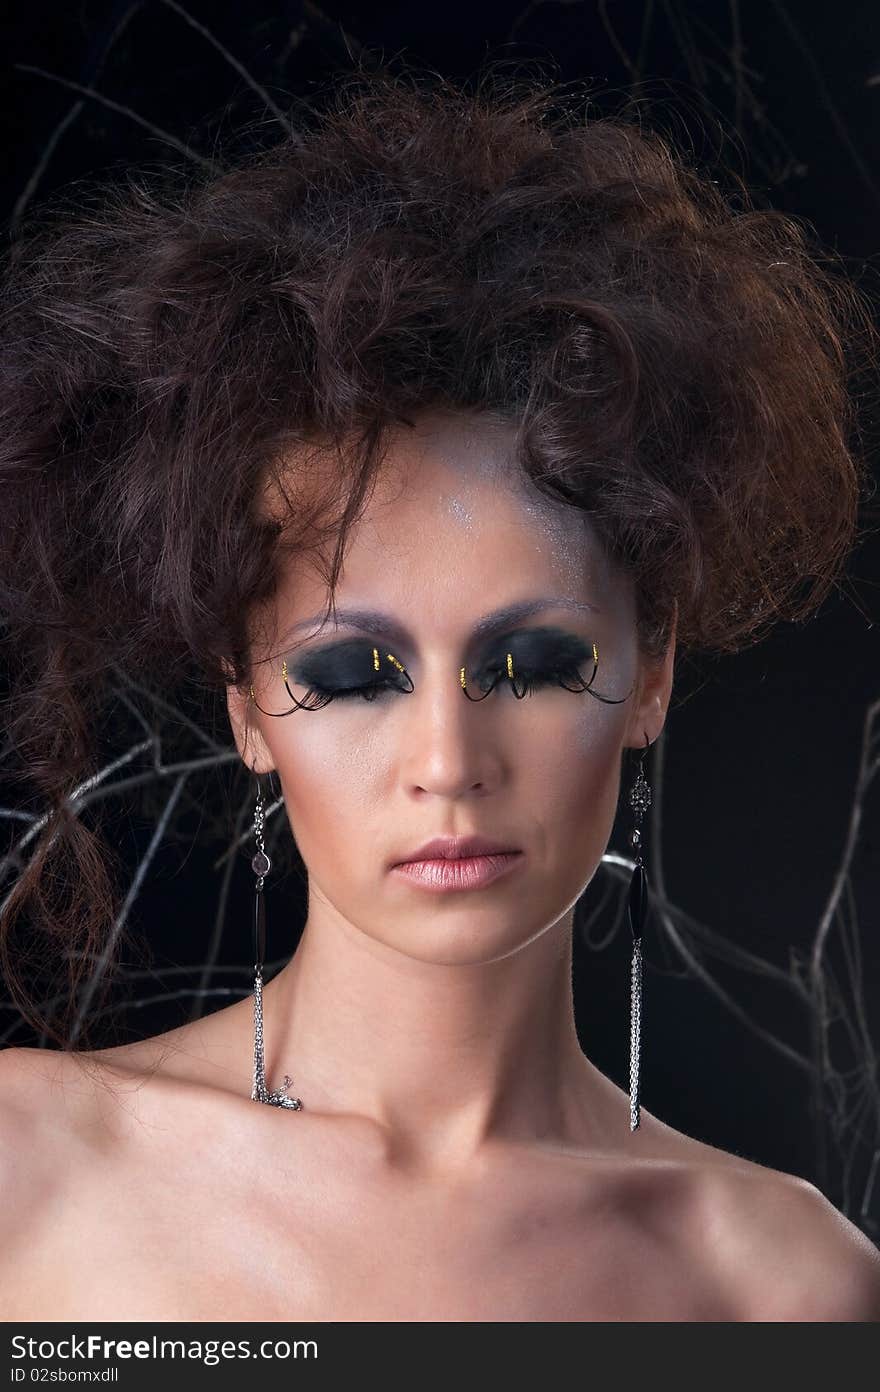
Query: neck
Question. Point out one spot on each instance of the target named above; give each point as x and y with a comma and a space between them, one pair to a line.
445, 1060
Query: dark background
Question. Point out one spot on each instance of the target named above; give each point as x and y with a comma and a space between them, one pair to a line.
762, 751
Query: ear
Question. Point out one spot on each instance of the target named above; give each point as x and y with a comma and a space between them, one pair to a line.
654, 691
244, 718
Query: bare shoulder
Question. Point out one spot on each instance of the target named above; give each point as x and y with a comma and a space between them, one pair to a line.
784, 1249
30, 1157
50, 1105
49, 1084
56, 1120
29, 1089
773, 1244
19, 1127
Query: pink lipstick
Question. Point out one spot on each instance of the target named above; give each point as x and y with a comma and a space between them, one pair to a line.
466, 872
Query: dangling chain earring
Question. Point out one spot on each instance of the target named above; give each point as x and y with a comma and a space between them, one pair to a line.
261, 866
640, 801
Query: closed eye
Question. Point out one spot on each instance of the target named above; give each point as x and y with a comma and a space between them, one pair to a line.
531, 660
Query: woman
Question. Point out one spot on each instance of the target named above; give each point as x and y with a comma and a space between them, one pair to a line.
428, 437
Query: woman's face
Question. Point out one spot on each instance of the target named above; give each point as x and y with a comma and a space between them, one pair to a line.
451, 534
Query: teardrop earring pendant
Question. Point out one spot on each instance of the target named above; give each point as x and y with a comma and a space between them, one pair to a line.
640, 801
261, 865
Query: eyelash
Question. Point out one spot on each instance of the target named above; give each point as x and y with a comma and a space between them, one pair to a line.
379, 689
540, 677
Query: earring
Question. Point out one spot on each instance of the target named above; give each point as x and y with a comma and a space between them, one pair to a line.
640, 801
261, 866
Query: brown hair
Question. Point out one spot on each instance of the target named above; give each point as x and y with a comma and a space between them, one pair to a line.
676, 360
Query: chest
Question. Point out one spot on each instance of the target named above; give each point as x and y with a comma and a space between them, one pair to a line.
195, 1243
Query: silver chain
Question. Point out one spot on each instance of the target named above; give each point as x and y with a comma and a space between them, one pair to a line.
635, 1035
261, 866
640, 801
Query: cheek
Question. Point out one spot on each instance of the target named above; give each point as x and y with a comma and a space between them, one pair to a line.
329, 787
574, 780
563, 781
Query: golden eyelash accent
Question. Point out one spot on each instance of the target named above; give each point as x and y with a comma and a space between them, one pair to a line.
462, 680
463, 683
391, 658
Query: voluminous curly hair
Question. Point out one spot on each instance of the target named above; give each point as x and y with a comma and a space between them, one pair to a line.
676, 361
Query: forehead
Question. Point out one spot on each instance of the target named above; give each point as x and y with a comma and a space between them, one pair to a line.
453, 525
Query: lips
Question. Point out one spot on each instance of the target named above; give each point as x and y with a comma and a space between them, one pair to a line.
456, 873
456, 848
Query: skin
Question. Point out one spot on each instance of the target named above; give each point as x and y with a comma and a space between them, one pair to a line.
457, 1155
452, 1028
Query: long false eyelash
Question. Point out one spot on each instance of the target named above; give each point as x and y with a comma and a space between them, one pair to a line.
370, 691
324, 699
323, 696
548, 674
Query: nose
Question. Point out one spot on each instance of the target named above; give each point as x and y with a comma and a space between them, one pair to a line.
452, 745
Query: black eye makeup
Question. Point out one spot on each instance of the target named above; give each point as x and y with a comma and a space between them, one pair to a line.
342, 671
519, 662
533, 659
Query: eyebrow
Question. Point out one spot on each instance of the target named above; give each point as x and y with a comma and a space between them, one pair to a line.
374, 621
